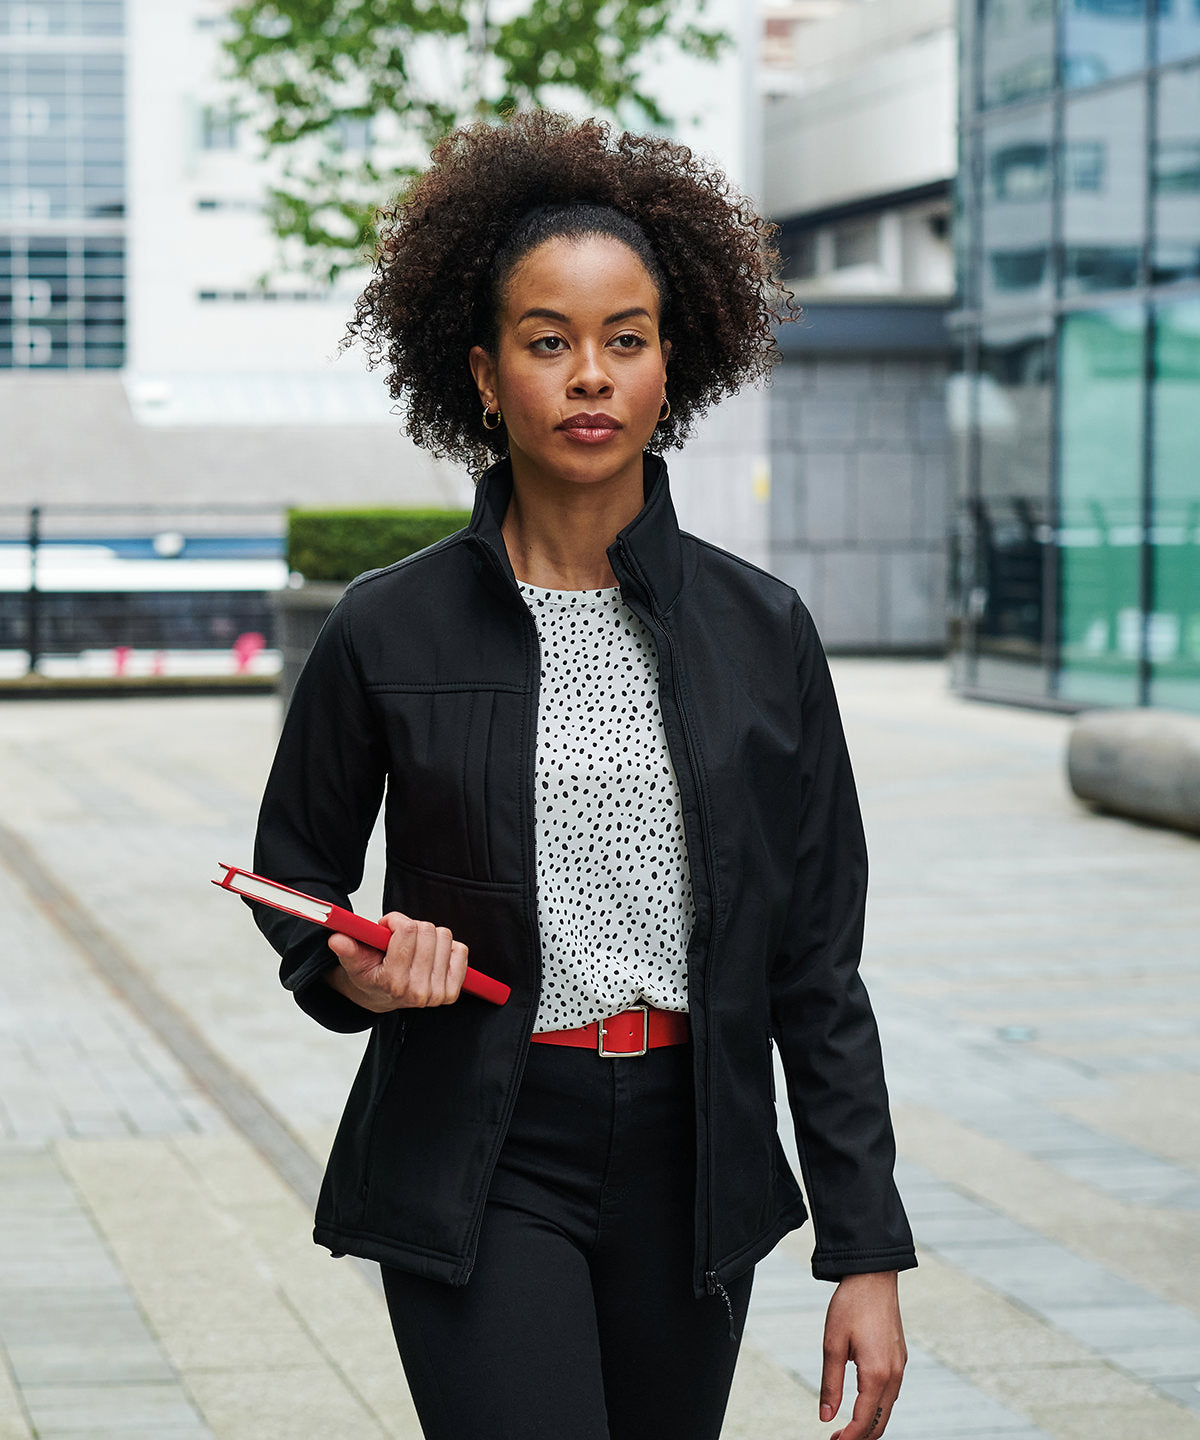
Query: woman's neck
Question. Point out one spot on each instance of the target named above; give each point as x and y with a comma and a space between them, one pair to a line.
558, 537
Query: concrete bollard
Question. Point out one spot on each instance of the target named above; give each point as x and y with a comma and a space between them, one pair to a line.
1140, 763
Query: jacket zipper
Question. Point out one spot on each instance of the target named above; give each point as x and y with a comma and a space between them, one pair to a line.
711, 1281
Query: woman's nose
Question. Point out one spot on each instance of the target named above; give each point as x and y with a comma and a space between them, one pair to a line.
590, 375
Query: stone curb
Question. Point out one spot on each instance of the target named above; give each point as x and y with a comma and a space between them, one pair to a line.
1141, 763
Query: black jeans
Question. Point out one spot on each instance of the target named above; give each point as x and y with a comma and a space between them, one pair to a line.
579, 1321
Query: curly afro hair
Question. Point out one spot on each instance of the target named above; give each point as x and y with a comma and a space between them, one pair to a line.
493, 193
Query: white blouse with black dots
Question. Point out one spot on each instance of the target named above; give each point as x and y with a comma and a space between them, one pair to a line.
614, 891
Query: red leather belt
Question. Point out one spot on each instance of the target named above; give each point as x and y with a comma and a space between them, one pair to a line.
632, 1032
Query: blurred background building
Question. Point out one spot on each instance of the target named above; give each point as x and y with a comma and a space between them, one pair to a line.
1076, 540
858, 167
1032, 461
161, 404
146, 361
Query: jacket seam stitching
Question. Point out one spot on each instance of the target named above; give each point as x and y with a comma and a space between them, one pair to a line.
385, 1241
779, 1219
448, 542
451, 687
819, 1254
737, 560
508, 887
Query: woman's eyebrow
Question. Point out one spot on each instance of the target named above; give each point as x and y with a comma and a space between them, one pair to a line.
539, 313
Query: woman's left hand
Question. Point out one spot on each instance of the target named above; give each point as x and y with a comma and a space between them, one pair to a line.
862, 1325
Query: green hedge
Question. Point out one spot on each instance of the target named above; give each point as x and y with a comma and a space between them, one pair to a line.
340, 544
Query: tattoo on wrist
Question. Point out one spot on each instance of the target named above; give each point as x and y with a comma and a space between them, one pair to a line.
875, 1421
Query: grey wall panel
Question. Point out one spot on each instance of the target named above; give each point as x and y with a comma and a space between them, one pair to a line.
859, 495
915, 598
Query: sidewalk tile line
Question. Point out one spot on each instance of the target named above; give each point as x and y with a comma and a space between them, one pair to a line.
1033, 1271
247, 1111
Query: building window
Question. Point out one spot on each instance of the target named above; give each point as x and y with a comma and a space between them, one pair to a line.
66, 299
1104, 224
1102, 39
1008, 519
64, 17
219, 127
243, 297
856, 242
66, 148
1108, 450
353, 132
1178, 29
30, 115
32, 345
1177, 167
1174, 624
1083, 165
1101, 363
801, 262
1019, 269
1016, 221
1177, 179
1018, 49
31, 299
1021, 171
29, 20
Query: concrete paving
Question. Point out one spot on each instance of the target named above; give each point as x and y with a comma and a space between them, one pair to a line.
164, 1108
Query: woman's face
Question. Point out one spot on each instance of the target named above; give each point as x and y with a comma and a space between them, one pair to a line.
579, 370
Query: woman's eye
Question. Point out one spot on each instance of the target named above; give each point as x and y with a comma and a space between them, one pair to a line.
628, 342
549, 344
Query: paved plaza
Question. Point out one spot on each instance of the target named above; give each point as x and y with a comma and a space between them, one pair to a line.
165, 1108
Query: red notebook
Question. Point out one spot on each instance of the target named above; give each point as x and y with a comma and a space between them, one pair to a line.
334, 917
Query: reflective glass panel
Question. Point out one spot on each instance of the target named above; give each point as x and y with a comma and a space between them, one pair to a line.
65, 302
1102, 39
1101, 356
1006, 604
61, 17
64, 147
1176, 253
1178, 29
1017, 39
1017, 188
964, 226
1173, 628
961, 385
1103, 177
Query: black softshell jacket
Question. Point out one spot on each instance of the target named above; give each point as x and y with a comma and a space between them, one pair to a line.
422, 692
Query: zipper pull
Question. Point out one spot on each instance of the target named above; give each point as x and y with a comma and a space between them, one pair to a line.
714, 1287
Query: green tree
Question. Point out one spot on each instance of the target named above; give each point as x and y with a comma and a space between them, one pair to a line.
353, 94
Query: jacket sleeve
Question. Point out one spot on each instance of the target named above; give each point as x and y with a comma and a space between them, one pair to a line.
821, 1016
317, 813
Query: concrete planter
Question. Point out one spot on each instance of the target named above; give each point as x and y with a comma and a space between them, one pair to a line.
1140, 763
299, 614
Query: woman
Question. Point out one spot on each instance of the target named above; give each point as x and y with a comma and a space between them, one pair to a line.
615, 776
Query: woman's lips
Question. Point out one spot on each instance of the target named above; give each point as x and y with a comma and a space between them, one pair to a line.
590, 429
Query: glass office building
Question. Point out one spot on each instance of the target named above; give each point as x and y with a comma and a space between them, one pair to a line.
62, 184
1076, 547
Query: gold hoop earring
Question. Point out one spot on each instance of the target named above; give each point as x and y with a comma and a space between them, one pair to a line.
665, 409
487, 414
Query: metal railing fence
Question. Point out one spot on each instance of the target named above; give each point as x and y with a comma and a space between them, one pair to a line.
78, 577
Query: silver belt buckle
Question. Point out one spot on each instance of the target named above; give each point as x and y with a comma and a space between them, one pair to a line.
624, 1054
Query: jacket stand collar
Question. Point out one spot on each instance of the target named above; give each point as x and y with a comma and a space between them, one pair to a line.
646, 554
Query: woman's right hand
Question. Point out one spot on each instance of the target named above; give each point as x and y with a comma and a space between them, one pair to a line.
423, 966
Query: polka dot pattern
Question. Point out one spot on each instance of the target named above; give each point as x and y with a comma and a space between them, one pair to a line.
614, 891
